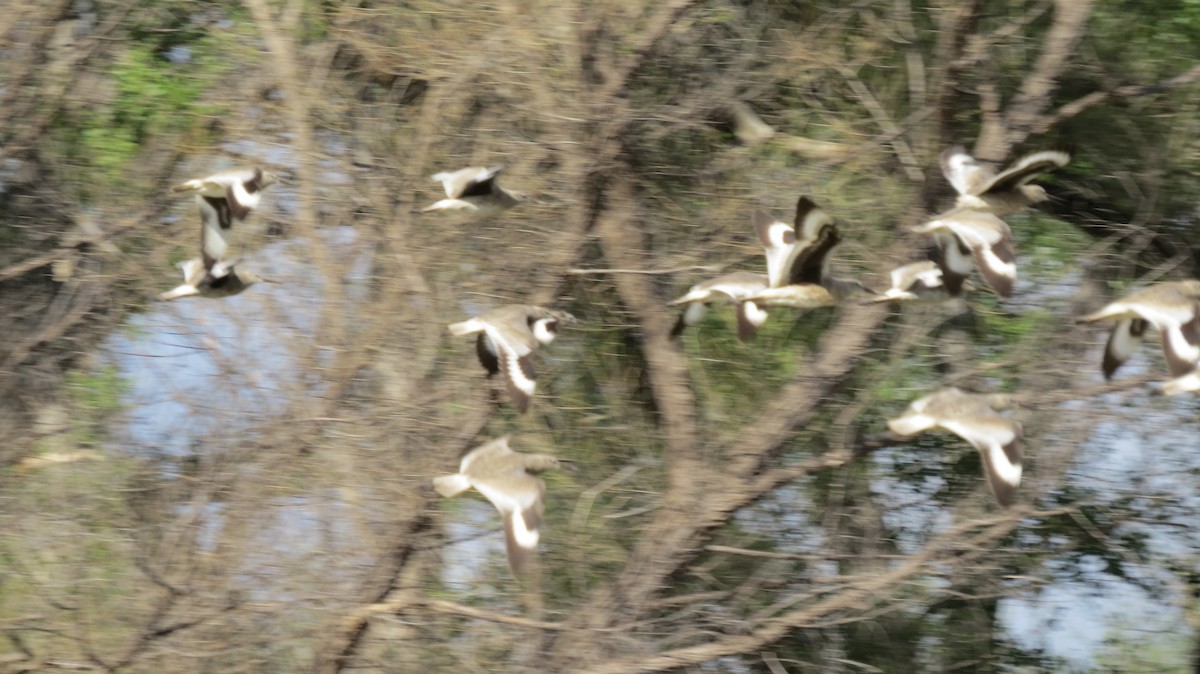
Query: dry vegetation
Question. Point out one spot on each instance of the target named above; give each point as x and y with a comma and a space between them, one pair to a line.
728, 509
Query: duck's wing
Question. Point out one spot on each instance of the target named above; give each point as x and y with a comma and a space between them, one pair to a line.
454, 182
778, 240
1000, 443
518, 497
1025, 169
515, 345
481, 184
961, 170
1179, 326
1122, 342
216, 228
811, 262
810, 218
990, 241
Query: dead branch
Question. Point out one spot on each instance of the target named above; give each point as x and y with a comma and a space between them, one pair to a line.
1069, 110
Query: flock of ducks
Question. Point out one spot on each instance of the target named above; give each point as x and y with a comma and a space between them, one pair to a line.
971, 235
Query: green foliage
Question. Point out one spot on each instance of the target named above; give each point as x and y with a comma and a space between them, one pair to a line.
94, 398
152, 99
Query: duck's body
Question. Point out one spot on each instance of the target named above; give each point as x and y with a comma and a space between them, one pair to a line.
968, 238
799, 259
509, 480
227, 280
475, 190
727, 289
1003, 193
974, 418
810, 295
508, 337
222, 199
1173, 309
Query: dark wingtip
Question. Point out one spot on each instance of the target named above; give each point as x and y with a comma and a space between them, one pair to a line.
679, 327
745, 329
804, 206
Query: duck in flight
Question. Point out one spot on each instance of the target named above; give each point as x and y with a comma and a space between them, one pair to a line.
968, 238
799, 258
727, 289
974, 418
223, 198
509, 480
224, 280
1174, 310
474, 189
1003, 193
508, 337
916, 281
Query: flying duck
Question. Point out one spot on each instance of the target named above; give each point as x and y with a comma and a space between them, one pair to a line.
222, 198
726, 289
509, 480
974, 418
508, 336
1173, 309
810, 295
224, 279
798, 260
967, 238
797, 253
917, 280
474, 189
1001, 193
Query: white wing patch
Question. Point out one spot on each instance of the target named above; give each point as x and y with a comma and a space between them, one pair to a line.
1187, 383
214, 243
511, 356
1123, 342
911, 423
1006, 470
754, 314
244, 198
451, 485
541, 333
694, 313
961, 171
516, 504
990, 436
467, 327
451, 205
525, 537
456, 182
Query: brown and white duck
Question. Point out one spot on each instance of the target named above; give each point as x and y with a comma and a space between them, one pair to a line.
508, 337
974, 418
509, 480
1003, 193
475, 190
1174, 310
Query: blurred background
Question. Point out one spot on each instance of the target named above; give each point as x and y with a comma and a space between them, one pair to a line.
243, 485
